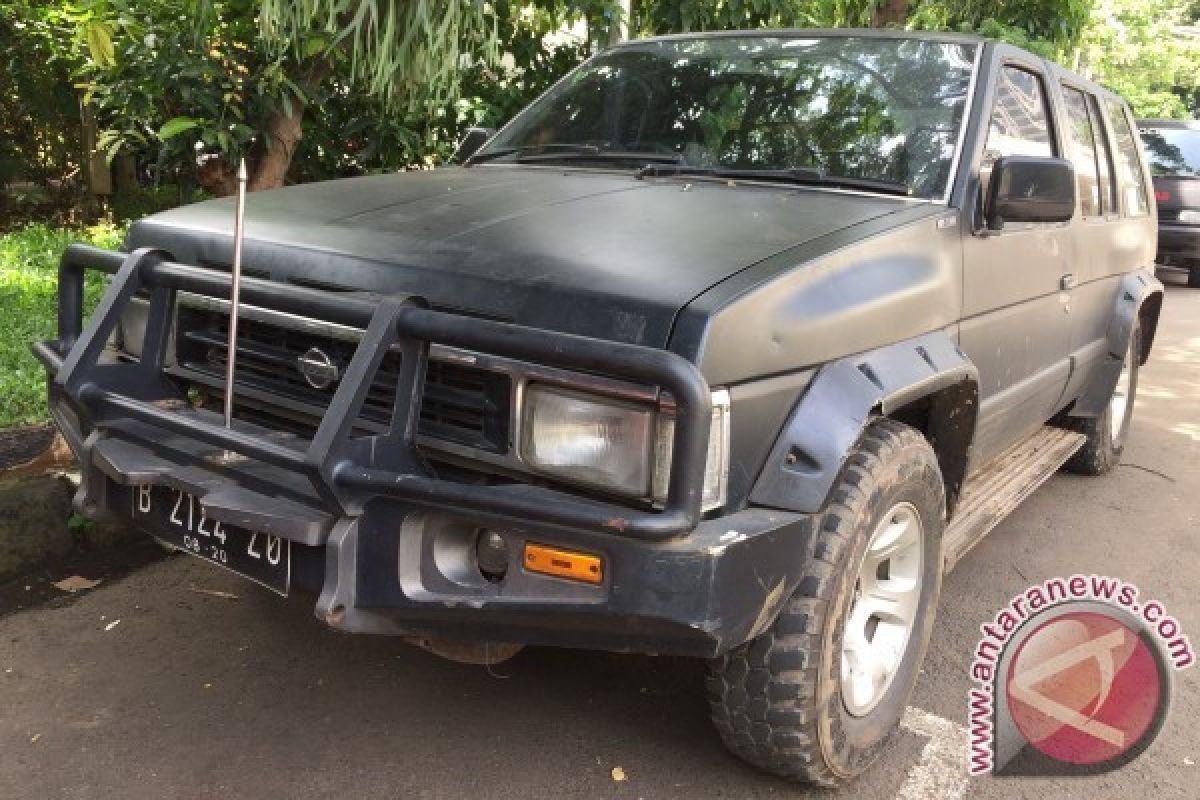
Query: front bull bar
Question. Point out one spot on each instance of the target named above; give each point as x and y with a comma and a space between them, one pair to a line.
345, 471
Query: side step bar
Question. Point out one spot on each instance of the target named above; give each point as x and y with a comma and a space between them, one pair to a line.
992, 493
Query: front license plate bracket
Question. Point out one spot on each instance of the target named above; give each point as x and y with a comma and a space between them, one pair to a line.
179, 519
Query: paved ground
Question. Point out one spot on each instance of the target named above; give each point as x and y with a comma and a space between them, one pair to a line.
196, 695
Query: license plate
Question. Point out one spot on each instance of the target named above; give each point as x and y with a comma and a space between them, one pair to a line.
178, 518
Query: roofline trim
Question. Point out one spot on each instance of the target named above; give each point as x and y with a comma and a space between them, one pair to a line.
828, 33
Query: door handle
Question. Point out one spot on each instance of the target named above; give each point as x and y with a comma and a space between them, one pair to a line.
1067, 281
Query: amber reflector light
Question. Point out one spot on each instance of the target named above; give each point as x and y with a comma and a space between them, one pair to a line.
560, 563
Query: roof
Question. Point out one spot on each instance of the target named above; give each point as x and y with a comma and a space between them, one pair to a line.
1189, 124
858, 33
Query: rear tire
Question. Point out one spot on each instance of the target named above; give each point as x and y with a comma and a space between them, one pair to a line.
1108, 432
807, 699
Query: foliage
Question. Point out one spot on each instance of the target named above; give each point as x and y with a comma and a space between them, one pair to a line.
183, 82
1051, 28
405, 52
668, 16
39, 115
372, 137
1129, 46
326, 88
29, 296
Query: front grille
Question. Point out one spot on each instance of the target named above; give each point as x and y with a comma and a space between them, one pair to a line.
461, 404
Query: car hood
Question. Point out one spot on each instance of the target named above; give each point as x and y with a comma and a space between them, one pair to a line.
579, 251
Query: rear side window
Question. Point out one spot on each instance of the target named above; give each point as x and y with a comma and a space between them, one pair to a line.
1083, 152
1108, 186
1019, 124
1129, 168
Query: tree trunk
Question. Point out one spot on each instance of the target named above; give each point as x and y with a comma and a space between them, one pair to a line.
268, 164
215, 177
889, 12
275, 158
124, 172
271, 158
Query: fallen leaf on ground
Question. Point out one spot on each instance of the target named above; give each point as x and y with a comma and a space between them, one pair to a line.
75, 583
214, 593
618, 774
112, 624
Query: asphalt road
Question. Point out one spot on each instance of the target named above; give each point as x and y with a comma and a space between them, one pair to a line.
149, 687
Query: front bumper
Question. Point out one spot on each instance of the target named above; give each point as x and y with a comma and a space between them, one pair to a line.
384, 541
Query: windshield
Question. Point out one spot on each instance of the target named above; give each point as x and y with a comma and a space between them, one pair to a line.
1173, 152
880, 109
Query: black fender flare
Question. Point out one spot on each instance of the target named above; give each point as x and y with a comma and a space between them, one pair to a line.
818, 437
1138, 292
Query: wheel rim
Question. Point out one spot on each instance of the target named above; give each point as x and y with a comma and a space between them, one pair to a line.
887, 593
1119, 404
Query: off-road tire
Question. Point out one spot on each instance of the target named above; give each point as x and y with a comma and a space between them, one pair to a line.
1101, 453
776, 700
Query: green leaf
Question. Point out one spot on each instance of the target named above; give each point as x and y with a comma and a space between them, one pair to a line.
100, 44
313, 46
177, 125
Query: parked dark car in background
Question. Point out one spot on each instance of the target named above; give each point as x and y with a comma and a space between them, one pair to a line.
1173, 150
728, 347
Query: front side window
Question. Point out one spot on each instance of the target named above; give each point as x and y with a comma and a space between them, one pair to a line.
1019, 125
885, 110
1129, 167
1173, 152
1083, 152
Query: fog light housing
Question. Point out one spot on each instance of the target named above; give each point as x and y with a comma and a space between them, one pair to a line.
491, 555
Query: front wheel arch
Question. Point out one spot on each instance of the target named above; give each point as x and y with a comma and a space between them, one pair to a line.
925, 382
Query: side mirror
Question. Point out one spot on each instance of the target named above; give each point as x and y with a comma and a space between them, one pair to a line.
1030, 189
471, 141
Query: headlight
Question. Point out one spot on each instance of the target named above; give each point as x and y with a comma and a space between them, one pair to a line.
615, 445
590, 440
1190, 217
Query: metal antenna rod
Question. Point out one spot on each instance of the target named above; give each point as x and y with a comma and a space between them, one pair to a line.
235, 291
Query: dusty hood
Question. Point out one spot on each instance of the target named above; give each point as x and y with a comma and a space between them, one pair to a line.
593, 253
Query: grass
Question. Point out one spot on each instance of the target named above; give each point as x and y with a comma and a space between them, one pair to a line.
29, 309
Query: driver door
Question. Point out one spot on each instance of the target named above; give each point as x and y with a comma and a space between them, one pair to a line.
1016, 295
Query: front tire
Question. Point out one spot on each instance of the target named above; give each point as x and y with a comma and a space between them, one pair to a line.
1107, 433
817, 695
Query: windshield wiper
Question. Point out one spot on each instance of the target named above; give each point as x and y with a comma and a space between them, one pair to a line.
805, 176
536, 153
531, 148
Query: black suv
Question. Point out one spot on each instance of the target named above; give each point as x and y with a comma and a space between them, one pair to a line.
1173, 149
728, 346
